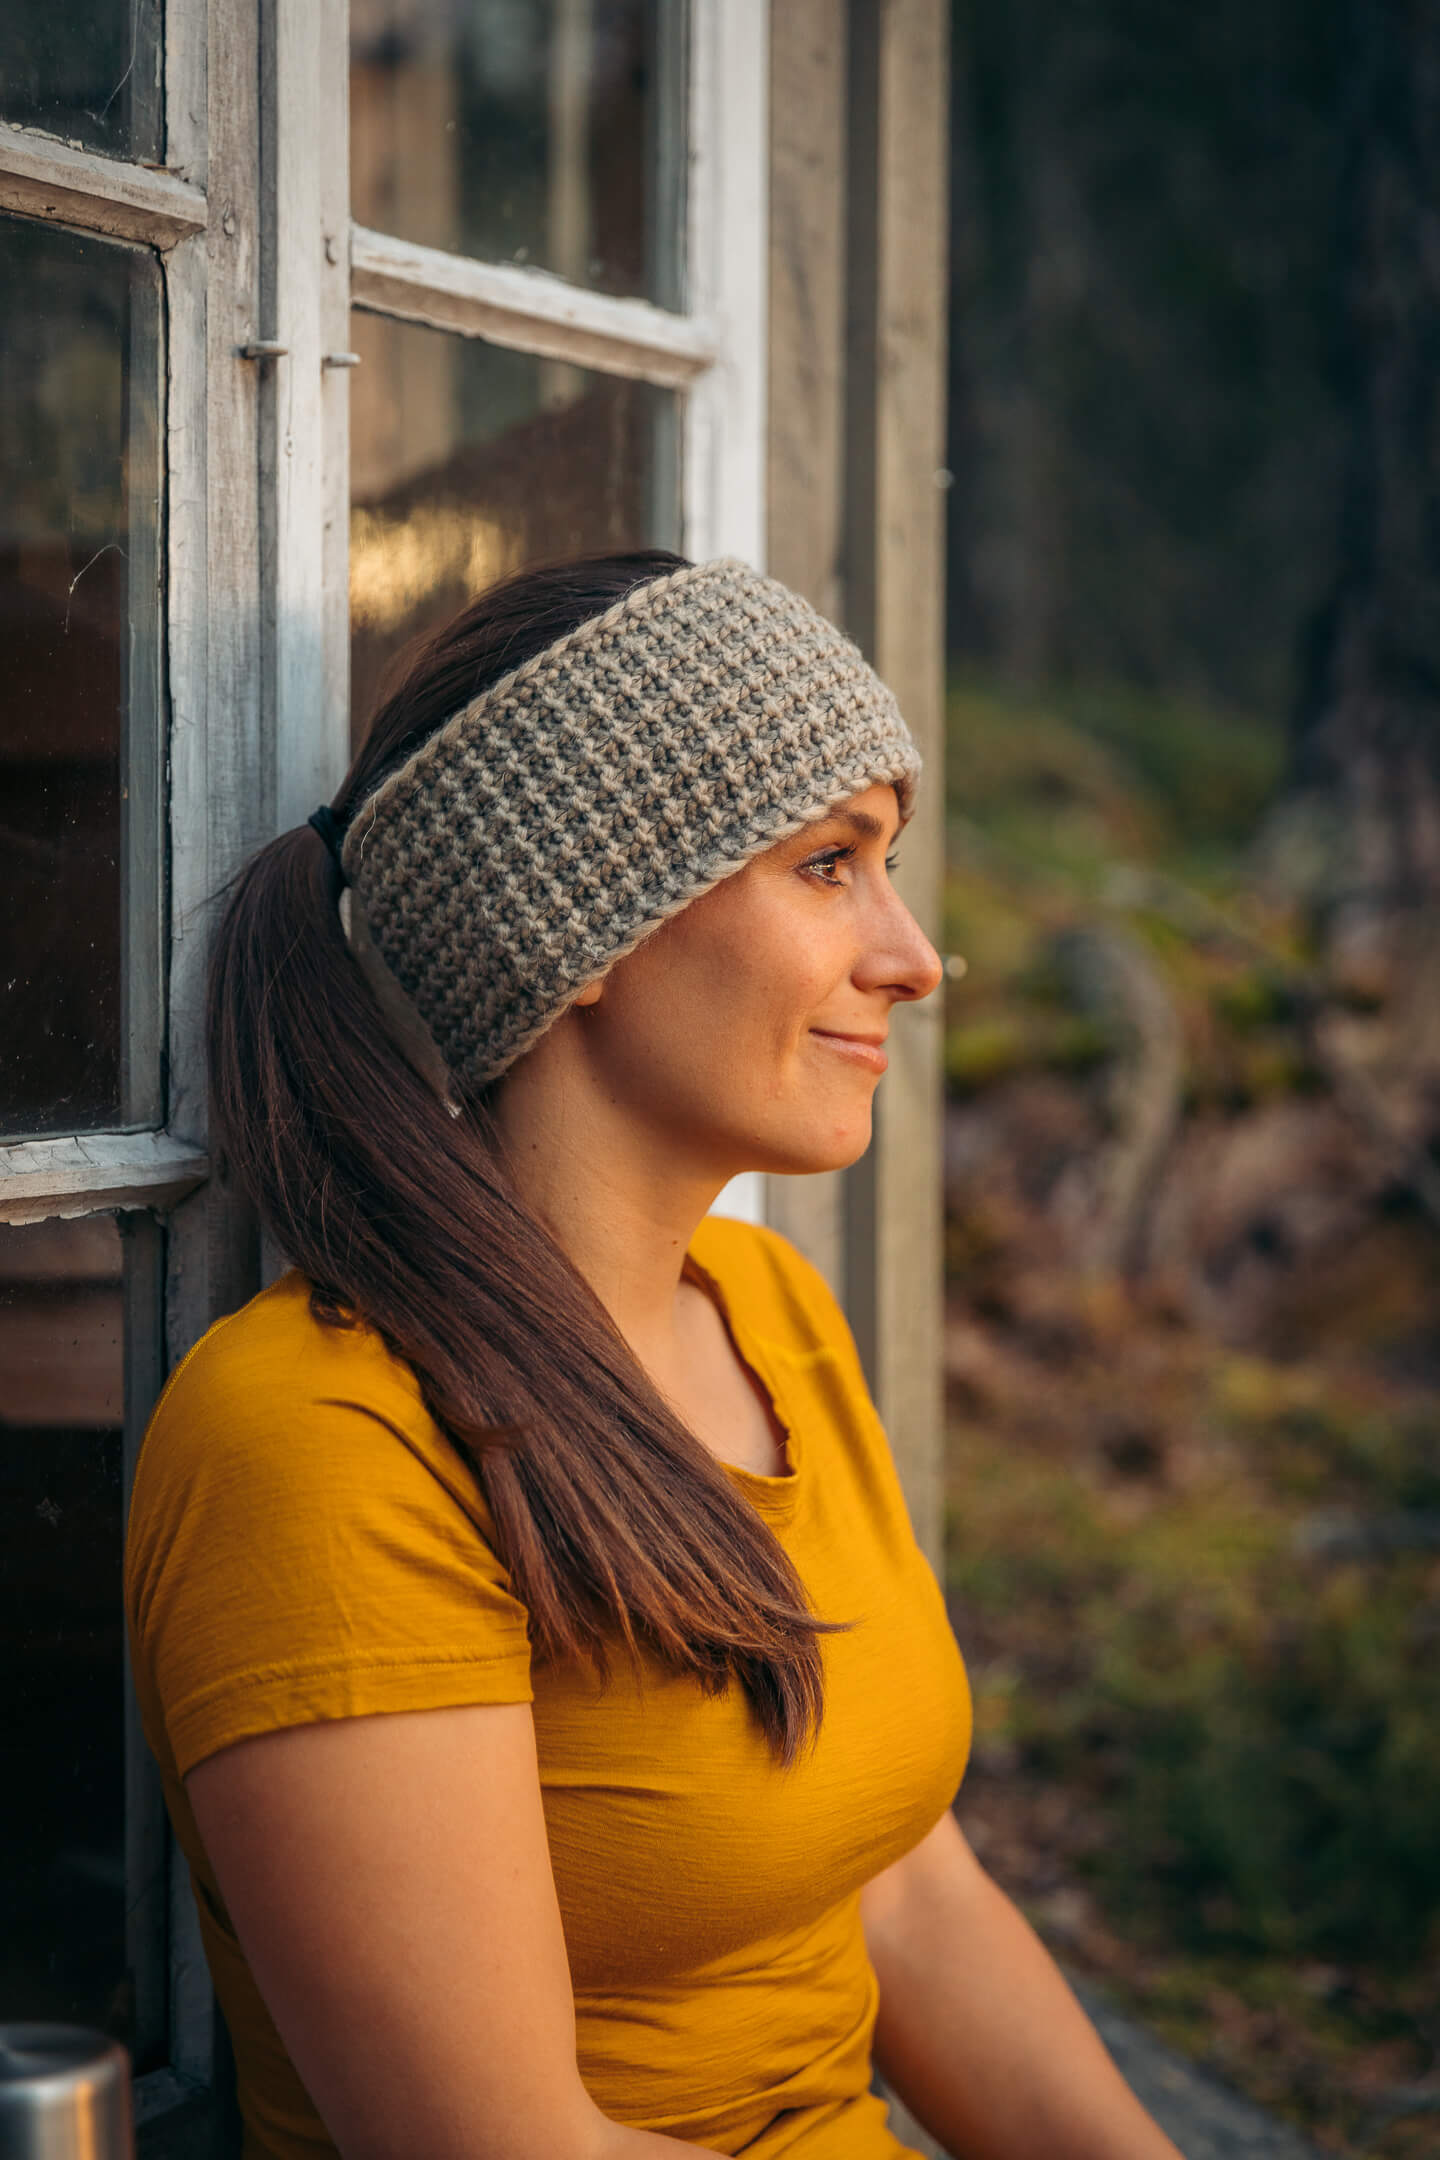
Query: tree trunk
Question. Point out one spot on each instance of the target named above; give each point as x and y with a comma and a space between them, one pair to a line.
1367, 743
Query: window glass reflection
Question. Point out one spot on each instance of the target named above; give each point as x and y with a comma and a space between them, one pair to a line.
62, 1848
525, 131
468, 461
88, 71
79, 491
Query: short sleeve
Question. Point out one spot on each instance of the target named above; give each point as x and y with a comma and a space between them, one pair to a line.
305, 1545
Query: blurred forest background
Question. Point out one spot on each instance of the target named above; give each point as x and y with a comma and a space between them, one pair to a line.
1193, 1048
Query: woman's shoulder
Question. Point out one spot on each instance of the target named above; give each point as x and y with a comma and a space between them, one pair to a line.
275, 1396
280, 1345
304, 1542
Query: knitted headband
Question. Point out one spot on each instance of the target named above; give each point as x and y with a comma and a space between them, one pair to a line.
593, 792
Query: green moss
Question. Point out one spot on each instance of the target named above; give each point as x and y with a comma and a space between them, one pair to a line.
1078, 1043
995, 932
1253, 999
1214, 769
1083, 769
984, 1051
1262, 1729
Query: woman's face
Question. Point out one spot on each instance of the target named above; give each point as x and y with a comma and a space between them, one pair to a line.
749, 1028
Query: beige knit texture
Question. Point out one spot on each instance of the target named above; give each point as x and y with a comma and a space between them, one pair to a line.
586, 797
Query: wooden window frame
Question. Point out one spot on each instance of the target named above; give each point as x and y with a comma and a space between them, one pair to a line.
225, 794
251, 227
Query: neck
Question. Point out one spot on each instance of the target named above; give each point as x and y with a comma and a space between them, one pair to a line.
621, 1202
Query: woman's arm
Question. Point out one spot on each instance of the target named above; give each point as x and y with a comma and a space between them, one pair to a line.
389, 1879
977, 2032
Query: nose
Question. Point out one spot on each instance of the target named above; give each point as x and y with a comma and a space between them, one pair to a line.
900, 960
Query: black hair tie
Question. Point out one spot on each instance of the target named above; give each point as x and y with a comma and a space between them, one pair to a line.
331, 831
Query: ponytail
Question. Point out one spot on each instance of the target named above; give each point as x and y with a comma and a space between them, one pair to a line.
616, 1524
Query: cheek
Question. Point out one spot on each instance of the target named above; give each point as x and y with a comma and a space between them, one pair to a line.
755, 987
729, 990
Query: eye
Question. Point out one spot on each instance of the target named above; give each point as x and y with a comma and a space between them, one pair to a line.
823, 866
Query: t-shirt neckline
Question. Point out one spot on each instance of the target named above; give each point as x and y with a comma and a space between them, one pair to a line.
773, 1495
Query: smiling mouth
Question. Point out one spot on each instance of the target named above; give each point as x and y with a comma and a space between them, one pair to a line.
864, 1050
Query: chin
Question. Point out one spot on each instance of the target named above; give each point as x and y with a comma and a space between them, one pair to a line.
807, 1154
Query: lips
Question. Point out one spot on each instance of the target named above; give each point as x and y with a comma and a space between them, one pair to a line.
866, 1050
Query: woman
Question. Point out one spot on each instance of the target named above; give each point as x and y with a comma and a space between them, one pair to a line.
555, 1710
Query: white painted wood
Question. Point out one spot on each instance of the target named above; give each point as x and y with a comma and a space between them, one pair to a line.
301, 54
333, 93
44, 178
217, 792
217, 773
193, 2011
727, 263
216, 786
142, 794
743, 1198
146, 1827
149, 1172
79, 1174
805, 509
159, 2093
727, 278
187, 614
187, 133
528, 310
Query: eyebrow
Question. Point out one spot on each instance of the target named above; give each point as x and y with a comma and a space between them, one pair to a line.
862, 821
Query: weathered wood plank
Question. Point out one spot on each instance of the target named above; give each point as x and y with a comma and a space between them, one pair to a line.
806, 409
896, 353
335, 339
910, 650
307, 755
81, 1173
727, 278
528, 310
217, 797
146, 1829
45, 178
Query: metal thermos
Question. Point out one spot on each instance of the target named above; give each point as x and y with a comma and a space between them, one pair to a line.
64, 2095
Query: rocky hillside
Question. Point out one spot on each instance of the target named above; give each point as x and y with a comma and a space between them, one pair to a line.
1193, 1186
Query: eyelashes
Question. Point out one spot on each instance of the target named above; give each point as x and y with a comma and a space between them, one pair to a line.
829, 859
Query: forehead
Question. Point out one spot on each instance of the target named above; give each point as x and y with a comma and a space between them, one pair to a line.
871, 815
869, 819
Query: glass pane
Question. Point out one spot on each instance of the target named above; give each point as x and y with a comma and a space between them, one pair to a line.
79, 704
467, 461
62, 1843
526, 131
88, 71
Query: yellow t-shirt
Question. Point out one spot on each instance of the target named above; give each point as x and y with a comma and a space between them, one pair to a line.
305, 1543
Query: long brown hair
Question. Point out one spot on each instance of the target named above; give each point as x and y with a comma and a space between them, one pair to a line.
615, 1523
